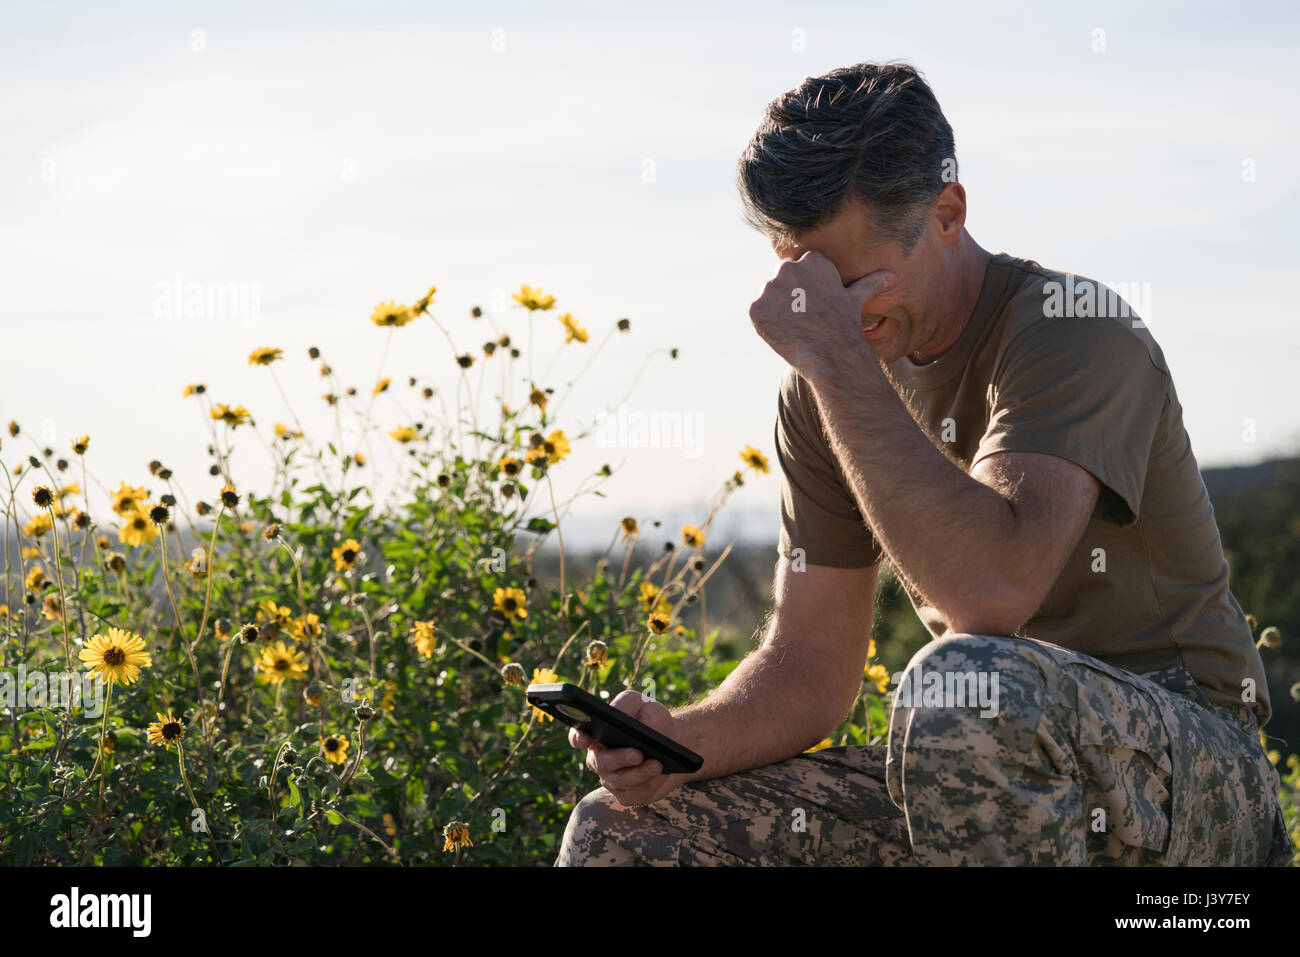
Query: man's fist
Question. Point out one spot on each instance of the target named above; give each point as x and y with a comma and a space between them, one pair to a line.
623, 771
806, 314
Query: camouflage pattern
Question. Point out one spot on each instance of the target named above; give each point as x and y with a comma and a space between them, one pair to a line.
824, 807
1082, 764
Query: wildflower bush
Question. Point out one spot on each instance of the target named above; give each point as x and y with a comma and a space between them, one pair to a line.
311, 671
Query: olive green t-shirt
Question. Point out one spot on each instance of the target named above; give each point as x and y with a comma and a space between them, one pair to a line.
1057, 364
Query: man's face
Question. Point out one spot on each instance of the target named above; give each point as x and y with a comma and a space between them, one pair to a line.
903, 320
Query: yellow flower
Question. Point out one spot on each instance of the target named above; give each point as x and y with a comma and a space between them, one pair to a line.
533, 299
167, 731
381, 386
346, 555
305, 629
754, 459
660, 618
35, 578
511, 602
823, 743
137, 530
455, 835
509, 466
391, 314
538, 398
543, 676
128, 498
80, 445
336, 748
264, 356
572, 330
39, 525
277, 615
422, 304
404, 434
282, 431
630, 529
280, 663
692, 536
390, 825
871, 648
116, 657
648, 595
52, 608
878, 674
425, 639
190, 390
554, 448
232, 417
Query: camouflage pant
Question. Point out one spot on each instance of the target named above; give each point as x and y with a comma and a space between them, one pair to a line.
1071, 761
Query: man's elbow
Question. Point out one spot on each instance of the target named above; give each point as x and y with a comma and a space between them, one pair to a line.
1000, 612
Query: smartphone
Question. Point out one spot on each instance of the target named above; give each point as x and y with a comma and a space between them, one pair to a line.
611, 727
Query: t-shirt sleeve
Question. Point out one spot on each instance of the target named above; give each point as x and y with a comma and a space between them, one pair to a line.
1086, 390
818, 512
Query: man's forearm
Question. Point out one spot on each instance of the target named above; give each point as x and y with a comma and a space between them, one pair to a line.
771, 707
943, 529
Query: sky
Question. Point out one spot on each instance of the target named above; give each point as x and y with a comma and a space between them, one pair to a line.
308, 161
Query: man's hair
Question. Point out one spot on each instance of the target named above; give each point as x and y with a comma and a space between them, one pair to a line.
871, 132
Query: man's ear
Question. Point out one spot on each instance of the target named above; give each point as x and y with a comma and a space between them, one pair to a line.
950, 212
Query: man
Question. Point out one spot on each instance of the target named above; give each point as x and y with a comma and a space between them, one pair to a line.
1011, 439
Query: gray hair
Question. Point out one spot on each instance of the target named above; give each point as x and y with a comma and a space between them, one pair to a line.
870, 132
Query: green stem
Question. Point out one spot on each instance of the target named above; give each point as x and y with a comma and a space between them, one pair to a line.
103, 738
180, 757
63, 605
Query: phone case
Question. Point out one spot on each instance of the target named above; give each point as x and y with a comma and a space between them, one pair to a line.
611, 727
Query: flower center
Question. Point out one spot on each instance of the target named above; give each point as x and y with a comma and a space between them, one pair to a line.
282, 664
331, 745
114, 657
171, 730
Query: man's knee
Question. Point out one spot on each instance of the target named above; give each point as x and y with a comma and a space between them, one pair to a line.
979, 694
961, 673
602, 832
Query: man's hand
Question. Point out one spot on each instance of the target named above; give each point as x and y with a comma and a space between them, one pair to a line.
622, 771
806, 313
